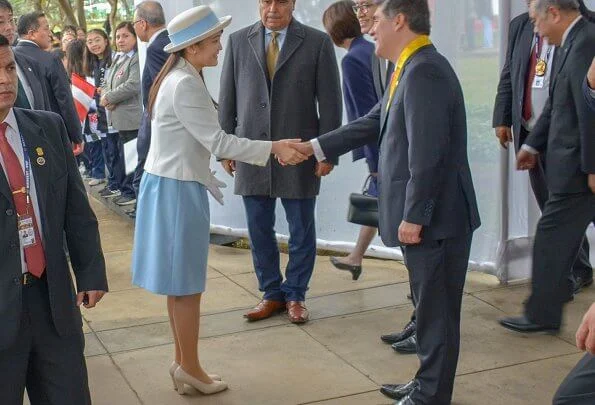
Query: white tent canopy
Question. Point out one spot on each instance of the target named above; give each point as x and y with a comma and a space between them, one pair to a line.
502, 245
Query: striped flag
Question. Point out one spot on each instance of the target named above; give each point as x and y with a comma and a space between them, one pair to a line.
82, 92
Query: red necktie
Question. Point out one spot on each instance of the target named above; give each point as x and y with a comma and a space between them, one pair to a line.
528, 102
34, 255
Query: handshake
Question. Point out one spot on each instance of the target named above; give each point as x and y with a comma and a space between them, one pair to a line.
291, 151
288, 152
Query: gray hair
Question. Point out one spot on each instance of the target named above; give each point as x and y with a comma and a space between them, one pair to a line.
564, 5
151, 12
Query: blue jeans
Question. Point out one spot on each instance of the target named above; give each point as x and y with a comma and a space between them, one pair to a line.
260, 213
94, 151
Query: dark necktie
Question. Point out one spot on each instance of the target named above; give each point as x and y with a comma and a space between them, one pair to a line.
22, 101
34, 255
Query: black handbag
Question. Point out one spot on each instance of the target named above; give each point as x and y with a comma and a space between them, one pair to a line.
363, 208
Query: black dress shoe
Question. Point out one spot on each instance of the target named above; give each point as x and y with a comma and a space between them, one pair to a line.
355, 271
399, 336
524, 325
581, 282
407, 346
398, 391
405, 401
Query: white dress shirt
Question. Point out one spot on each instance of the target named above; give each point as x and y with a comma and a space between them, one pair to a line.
14, 139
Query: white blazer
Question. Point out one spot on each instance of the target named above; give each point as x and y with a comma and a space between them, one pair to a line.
185, 131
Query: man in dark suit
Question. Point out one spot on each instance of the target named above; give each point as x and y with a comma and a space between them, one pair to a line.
149, 23
32, 93
280, 79
589, 86
382, 69
34, 33
522, 94
565, 133
42, 198
427, 200
578, 388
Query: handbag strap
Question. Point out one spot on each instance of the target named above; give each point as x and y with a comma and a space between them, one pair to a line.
366, 184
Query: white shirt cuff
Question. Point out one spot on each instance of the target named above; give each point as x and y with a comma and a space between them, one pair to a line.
529, 149
318, 153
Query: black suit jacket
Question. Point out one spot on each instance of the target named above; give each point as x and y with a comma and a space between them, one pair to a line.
34, 76
566, 129
64, 210
508, 109
57, 85
155, 60
423, 172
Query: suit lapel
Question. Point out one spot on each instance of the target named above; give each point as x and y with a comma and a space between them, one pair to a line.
256, 40
562, 52
36, 146
525, 44
294, 38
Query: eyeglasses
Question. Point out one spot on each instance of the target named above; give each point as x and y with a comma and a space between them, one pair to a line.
364, 8
137, 21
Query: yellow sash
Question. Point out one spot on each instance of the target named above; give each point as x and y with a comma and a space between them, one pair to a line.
409, 50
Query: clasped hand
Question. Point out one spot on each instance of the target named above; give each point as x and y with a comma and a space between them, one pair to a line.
289, 151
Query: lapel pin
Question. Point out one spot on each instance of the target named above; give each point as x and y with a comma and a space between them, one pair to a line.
39, 151
40, 161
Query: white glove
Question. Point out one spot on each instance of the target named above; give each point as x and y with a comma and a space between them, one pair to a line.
214, 185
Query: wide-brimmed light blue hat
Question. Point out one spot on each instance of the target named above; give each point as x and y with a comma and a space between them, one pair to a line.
192, 26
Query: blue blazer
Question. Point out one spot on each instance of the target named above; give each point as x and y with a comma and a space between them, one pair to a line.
155, 60
589, 95
359, 92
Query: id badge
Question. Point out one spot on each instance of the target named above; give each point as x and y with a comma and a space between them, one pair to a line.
26, 231
539, 82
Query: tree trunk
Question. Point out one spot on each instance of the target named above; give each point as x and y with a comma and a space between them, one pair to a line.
112, 18
80, 10
68, 12
127, 8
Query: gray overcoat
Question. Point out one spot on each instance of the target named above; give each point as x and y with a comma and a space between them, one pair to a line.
303, 101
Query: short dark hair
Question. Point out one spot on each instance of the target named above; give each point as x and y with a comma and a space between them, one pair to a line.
29, 22
340, 22
4, 41
416, 12
69, 28
5, 5
128, 25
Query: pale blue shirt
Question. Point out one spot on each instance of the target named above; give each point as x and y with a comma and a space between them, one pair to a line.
280, 38
14, 140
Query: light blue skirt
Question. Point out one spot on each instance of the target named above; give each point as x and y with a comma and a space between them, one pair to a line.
171, 238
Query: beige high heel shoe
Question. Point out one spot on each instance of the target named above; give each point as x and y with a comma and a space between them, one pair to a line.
182, 378
174, 366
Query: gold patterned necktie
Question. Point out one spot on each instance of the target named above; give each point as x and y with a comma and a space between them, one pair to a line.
272, 54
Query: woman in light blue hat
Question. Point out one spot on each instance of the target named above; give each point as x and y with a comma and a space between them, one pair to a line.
171, 240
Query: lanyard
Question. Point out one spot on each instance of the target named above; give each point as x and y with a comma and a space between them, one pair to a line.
27, 163
538, 49
407, 53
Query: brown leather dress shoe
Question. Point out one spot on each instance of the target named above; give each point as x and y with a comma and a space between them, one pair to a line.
297, 312
265, 309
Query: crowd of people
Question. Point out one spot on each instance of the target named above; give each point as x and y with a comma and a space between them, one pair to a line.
276, 128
